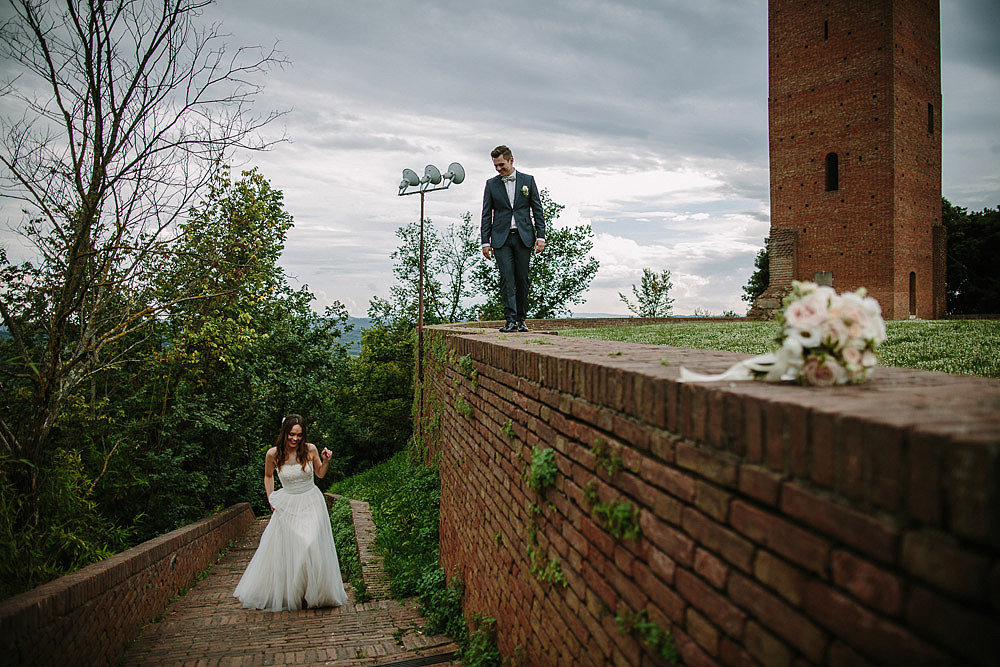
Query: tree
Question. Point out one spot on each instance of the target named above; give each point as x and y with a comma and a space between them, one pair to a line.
126, 110
448, 260
558, 276
761, 277
973, 283
652, 299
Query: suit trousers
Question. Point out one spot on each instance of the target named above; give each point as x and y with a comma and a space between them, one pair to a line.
513, 259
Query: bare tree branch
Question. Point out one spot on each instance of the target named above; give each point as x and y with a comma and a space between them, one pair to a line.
126, 109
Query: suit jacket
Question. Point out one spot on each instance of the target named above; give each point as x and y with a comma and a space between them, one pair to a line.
498, 211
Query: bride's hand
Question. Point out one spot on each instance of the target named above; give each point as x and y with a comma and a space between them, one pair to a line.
326, 455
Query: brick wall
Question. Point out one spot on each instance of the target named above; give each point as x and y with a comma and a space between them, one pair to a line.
779, 525
87, 617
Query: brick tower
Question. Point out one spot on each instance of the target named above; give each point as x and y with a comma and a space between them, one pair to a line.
854, 118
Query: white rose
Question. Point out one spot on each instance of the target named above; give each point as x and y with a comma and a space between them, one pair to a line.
808, 312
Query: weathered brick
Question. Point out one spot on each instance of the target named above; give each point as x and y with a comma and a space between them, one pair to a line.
702, 632
713, 420
796, 544
851, 458
778, 617
760, 484
886, 465
753, 418
972, 635
797, 438
923, 494
775, 442
727, 616
690, 652
668, 478
766, 648
711, 568
710, 465
662, 565
779, 575
868, 534
871, 584
673, 542
660, 594
732, 654
877, 637
717, 538
971, 472
824, 427
712, 500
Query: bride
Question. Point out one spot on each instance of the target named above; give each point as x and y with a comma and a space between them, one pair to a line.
296, 564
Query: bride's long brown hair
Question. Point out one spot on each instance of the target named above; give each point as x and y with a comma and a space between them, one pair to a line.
302, 452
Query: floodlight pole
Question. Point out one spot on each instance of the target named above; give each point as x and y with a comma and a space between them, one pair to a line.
455, 174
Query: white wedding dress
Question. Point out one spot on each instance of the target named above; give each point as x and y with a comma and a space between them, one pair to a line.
296, 560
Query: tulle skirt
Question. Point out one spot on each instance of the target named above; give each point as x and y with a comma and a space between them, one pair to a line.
296, 560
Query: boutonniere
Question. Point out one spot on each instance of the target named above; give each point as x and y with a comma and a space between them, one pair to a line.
524, 190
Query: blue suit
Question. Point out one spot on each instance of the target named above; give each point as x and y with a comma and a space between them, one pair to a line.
512, 251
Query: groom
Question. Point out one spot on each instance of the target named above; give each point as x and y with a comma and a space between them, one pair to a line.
510, 202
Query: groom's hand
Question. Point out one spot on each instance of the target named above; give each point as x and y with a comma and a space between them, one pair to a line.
539, 245
488, 252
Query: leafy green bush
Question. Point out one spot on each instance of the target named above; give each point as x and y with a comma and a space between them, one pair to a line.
347, 547
405, 499
405, 502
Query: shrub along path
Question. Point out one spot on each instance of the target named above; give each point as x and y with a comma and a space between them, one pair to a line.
208, 626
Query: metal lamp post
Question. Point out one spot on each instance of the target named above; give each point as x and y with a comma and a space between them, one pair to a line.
411, 185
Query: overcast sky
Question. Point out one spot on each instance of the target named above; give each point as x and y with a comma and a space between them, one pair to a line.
646, 119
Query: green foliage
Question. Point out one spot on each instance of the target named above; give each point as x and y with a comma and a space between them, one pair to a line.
652, 298
508, 428
973, 282
441, 603
480, 650
642, 628
465, 364
347, 547
405, 500
559, 276
761, 277
621, 519
952, 346
545, 571
464, 407
382, 378
181, 419
610, 458
73, 535
543, 470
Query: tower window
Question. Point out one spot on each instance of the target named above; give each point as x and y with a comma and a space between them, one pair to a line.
913, 293
826, 30
832, 172
930, 118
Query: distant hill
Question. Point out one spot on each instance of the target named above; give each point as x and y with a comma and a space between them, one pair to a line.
354, 335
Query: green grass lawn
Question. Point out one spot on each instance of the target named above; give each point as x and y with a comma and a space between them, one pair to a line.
952, 346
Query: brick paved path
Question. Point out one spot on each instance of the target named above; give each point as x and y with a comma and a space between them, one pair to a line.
208, 626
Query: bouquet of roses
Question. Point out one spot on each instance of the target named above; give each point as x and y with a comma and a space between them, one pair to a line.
826, 339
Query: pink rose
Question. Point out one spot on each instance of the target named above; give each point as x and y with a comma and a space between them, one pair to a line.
823, 372
852, 358
806, 313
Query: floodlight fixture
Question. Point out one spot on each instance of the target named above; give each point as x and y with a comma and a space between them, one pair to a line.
411, 185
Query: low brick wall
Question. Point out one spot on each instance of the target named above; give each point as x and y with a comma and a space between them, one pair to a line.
87, 617
780, 524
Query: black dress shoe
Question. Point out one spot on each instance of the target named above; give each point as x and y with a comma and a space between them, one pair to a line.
510, 327
521, 326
